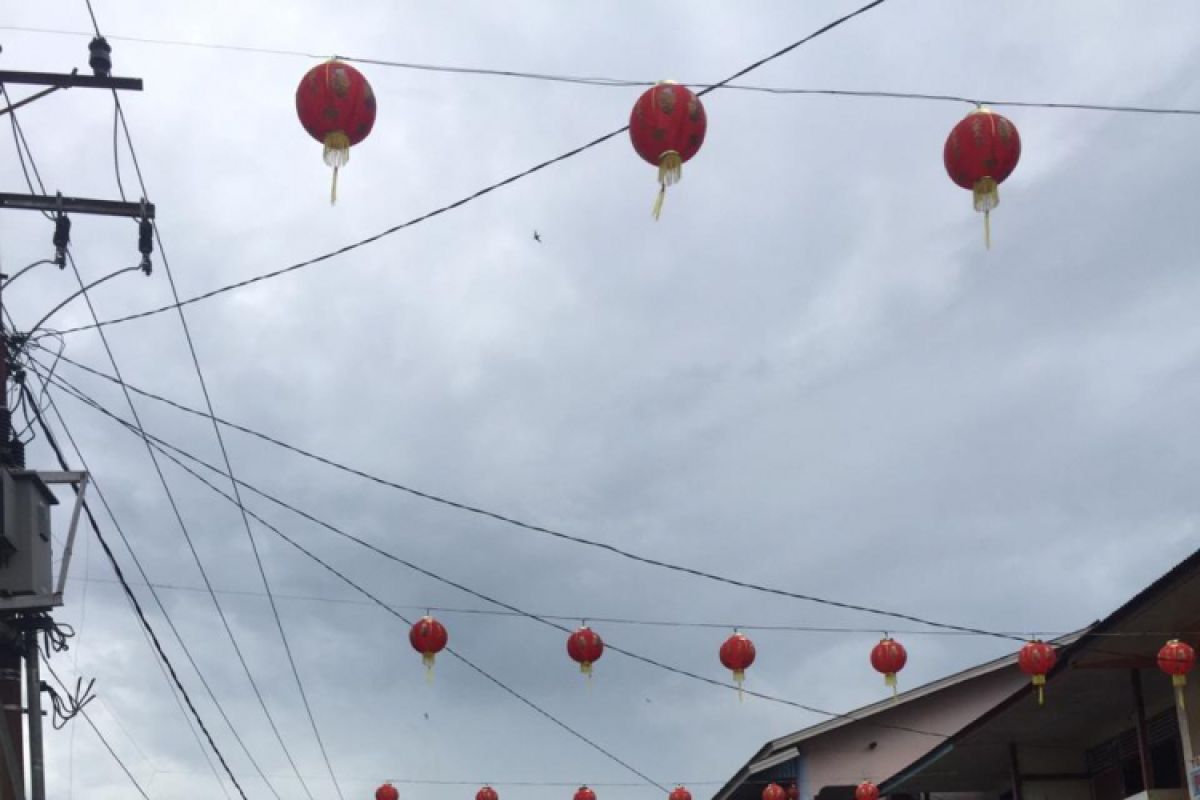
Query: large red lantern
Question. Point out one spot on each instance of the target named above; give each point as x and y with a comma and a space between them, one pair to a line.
667, 127
774, 791
387, 792
866, 791
1177, 659
980, 153
679, 793
889, 657
584, 793
737, 654
585, 647
1036, 659
428, 637
487, 793
337, 108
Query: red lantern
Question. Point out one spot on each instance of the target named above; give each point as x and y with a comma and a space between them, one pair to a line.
387, 792
774, 791
889, 657
487, 793
585, 646
980, 153
793, 792
679, 793
866, 791
737, 654
1036, 659
1177, 658
667, 127
337, 108
428, 637
585, 793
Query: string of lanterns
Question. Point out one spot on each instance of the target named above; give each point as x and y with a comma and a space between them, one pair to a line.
337, 107
737, 654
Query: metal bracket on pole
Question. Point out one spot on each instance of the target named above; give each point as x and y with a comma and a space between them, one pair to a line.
76, 205
78, 479
69, 80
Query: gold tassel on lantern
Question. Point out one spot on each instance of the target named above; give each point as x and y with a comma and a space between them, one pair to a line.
670, 170
426, 658
1040, 682
337, 154
890, 680
739, 675
987, 197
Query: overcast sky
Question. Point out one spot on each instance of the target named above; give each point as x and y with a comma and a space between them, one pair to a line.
810, 373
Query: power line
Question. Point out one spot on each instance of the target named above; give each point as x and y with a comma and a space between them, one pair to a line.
469, 198
529, 526
163, 446
22, 144
133, 779
621, 83
137, 606
208, 403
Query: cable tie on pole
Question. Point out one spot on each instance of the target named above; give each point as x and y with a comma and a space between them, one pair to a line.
145, 242
62, 237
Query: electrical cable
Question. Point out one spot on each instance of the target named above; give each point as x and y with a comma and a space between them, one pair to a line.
610, 548
465, 200
9, 281
137, 607
119, 114
164, 446
99, 735
609, 82
153, 442
19, 140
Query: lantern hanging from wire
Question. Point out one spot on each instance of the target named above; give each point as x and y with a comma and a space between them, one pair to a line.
428, 637
487, 793
585, 647
337, 108
667, 128
889, 657
1177, 659
773, 791
679, 793
387, 792
737, 654
981, 152
866, 791
584, 793
1035, 659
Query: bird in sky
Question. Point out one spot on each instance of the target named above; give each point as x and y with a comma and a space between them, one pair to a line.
537, 237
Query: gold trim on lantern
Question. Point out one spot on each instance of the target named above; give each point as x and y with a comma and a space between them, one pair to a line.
986, 194
337, 154
670, 171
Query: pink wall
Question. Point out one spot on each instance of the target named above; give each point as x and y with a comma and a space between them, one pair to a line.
844, 757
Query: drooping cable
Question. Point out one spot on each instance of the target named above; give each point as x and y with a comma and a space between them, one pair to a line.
137, 607
171, 452
469, 198
535, 528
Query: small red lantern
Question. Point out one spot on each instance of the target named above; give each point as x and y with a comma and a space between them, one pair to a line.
774, 791
1177, 659
428, 637
981, 151
1036, 659
866, 791
667, 127
387, 792
889, 657
585, 793
737, 654
337, 108
585, 646
487, 793
793, 792
679, 793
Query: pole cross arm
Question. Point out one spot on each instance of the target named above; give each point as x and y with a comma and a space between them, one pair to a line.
76, 205
69, 80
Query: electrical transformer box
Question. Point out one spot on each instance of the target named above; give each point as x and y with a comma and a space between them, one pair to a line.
26, 577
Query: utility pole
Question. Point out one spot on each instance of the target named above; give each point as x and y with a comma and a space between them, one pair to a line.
28, 589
